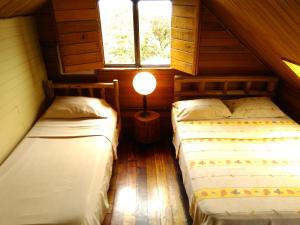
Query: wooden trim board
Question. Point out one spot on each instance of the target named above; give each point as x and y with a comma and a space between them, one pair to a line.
186, 87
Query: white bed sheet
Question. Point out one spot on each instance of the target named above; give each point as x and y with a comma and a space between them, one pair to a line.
57, 128
59, 174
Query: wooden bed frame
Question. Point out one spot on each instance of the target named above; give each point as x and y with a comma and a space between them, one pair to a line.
88, 89
187, 87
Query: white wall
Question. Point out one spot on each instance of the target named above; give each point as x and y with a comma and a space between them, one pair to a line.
21, 73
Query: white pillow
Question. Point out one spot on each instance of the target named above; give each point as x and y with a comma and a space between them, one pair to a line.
201, 109
253, 107
70, 107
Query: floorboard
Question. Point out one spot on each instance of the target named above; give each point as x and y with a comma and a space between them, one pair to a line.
146, 186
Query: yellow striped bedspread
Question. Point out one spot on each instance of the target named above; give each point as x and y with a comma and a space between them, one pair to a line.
241, 172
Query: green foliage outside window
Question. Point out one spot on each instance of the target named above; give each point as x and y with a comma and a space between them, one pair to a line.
157, 40
118, 36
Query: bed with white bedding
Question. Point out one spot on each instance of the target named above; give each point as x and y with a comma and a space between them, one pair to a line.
60, 172
240, 162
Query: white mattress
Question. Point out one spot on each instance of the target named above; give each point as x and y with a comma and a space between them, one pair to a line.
59, 174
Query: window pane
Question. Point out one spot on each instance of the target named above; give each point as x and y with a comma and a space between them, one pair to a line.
155, 32
117, 31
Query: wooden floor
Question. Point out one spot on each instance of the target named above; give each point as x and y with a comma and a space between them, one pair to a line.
146, 187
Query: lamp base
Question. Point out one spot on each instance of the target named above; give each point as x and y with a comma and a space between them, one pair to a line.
145, 114
147, 129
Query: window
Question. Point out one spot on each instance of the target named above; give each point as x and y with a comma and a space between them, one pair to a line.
117, 31
295, 67
136, 32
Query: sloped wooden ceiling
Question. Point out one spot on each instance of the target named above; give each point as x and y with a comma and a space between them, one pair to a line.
223, 53
270, 27
12, 8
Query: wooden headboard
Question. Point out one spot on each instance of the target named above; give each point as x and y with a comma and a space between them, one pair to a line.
87, 89
187, 87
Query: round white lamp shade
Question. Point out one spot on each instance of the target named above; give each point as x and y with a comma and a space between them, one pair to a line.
144, 83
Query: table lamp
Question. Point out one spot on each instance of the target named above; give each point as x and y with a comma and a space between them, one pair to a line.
144, 83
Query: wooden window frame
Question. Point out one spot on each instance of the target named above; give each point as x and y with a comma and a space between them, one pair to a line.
136, 36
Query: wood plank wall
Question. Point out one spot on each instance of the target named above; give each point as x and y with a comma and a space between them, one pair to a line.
289, 100
22, 71
12, 8
221, 53
271, 28
48, 39
274, 38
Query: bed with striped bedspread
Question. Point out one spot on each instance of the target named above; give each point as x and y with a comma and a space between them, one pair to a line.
240, 171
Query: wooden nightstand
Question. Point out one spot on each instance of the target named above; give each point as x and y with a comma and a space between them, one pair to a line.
147, 128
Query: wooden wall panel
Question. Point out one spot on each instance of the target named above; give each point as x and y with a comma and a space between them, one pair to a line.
289, 100
22, 72
13, 8
222, 52
48, 39
270, 28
